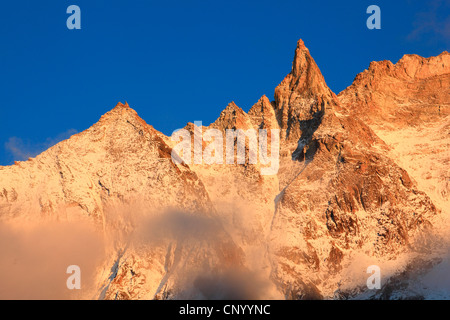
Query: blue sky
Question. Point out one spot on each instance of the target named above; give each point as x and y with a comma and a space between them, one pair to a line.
180, 61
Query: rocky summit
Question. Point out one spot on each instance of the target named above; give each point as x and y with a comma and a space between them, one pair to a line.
363, 179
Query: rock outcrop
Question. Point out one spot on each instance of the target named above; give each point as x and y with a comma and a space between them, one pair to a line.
413, 91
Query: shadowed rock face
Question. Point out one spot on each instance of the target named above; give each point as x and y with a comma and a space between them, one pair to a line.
337, 191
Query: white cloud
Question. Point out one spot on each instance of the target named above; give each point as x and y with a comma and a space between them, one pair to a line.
20, 149
432, 23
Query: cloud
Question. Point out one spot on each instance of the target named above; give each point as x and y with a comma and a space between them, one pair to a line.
20, 149
16, 147
233, 284
34, 258
433, 24
220, 269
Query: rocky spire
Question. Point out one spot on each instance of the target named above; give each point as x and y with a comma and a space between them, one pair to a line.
303, 94
232, 117
262, 114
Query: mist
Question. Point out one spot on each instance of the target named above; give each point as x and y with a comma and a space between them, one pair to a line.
213, 265
34, 258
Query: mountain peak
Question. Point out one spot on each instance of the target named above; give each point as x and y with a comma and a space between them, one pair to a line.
121, 110
301, 44
394, 93
122, 105
232, 117
303, 93
264, 100
302, 60
263, 115
305, 78
305, 74
232, 106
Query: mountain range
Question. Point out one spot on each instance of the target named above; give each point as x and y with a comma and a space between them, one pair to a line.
363, 179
